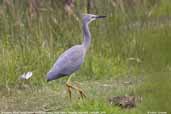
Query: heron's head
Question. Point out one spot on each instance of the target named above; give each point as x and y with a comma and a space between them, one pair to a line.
87, 18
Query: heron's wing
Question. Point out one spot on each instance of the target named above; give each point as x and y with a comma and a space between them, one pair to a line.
69, 61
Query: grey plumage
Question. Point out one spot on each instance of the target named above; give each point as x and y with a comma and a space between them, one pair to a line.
71, 60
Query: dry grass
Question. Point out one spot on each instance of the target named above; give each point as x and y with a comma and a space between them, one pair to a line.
54, 97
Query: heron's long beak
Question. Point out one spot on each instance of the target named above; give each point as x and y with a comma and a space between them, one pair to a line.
99, 17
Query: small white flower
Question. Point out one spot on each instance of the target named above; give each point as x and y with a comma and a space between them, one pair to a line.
26, 76
135, 59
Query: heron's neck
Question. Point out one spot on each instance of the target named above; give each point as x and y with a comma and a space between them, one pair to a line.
87, 35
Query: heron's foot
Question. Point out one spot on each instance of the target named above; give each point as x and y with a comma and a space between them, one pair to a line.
69, 90
83, 95
81, 92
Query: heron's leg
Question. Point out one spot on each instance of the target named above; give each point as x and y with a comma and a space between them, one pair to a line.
70, 86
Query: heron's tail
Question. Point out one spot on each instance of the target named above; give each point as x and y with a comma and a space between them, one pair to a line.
53, 76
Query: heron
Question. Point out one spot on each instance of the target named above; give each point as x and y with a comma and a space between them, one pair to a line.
71, 60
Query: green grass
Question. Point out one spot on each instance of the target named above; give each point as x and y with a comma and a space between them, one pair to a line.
53, 96
139, 31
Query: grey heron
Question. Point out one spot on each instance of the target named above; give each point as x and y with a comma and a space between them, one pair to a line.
71, 60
